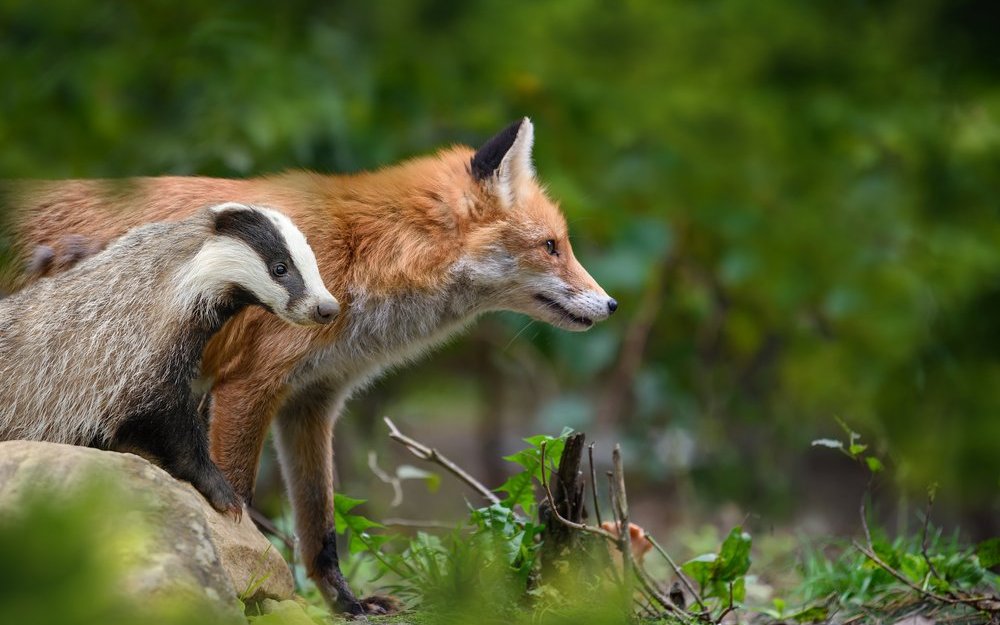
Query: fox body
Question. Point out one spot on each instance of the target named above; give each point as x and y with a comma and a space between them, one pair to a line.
414, 252
105, 353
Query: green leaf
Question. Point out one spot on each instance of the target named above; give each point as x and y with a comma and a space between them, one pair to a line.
913, 566
520, 487
989, 552
359, 540
734, 556
701, 568
520, 491
343, 520
856, 448
874, 464
779, 607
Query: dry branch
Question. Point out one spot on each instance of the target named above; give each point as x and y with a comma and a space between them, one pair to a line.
620, 504
430, 454
680, 575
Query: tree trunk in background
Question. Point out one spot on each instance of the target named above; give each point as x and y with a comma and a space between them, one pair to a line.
493, 385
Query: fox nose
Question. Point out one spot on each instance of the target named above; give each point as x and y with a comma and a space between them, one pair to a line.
326, 311
612, 306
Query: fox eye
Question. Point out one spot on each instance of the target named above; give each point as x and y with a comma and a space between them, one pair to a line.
279, 269
550, 247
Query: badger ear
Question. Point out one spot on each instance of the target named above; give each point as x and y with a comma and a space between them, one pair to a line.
234, 219
504, 162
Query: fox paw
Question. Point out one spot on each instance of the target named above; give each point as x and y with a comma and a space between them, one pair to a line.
378, 605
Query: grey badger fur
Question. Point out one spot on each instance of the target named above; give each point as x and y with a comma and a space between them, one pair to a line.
105, 354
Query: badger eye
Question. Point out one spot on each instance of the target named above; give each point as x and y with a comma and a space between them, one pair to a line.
279, 269
550, 247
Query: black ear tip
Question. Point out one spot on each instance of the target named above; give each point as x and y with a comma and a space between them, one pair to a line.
488, 158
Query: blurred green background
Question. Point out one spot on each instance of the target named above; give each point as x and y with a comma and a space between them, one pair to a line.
795, 203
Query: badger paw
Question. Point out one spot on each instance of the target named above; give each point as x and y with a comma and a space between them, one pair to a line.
221, 495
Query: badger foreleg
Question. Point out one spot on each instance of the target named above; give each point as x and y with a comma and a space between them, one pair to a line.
175, 437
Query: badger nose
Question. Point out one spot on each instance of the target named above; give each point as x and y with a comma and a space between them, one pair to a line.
612, 306
326, 311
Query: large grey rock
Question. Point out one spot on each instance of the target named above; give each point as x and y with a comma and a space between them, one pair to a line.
187, 547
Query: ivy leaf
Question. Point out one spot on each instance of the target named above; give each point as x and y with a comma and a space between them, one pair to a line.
520, 491
520, 487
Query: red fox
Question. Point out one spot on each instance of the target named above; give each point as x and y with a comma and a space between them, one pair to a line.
413, 252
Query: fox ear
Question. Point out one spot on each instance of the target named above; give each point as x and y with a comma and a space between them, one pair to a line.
504, 162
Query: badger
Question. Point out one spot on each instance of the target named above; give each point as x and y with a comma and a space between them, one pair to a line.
107, 354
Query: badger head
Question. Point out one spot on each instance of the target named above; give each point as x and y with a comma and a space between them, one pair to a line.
265, 257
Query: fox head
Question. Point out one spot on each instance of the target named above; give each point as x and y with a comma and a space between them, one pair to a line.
520, 245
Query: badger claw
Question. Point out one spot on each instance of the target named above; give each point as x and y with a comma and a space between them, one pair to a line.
235, 512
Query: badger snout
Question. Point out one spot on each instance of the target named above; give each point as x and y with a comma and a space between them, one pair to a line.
325, 311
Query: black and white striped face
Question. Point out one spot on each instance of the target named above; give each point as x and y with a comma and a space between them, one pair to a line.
267, 256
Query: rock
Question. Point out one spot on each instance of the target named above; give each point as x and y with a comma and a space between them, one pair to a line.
187, 547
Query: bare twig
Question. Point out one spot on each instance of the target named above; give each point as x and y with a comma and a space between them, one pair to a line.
729, 608
648, 586
864, 524
432, 455
870, 553
677, 571
629, 565
611, 498
614, 517
593, 483
620, 504
923, 539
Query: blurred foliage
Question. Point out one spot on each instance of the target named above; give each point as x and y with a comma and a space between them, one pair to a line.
794, 202
66, 561
848, 579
